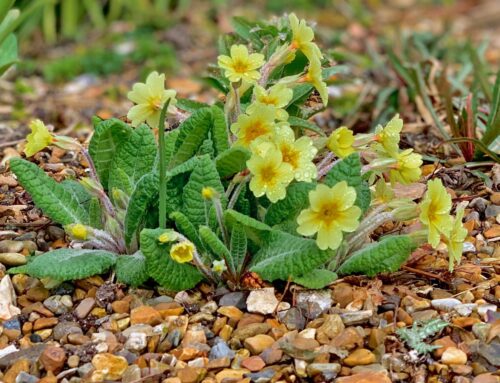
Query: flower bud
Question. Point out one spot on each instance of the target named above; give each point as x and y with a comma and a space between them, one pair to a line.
66, 143
209, 193
78, 231
168, 236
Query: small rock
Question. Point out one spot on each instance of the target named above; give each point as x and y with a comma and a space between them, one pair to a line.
314, 302
24, 377
492, 211
10, 246
251, 330
220, 350
53, 359
263, 376
12, 259
483, 310
254, 363
63, 329
258, 343
443, 343
44, 323
486, 378
453, 355
445, 304
479, 204
73, 361
424, 315
356, 317
465, 309
85, 307
331, 327
328, 371
145, 315
230, 375
19, 366
120, 307
365, 377
55, 304
232, 312
109, 366
271, 355
137, 341
237, 299
191, 374
131, 374
262, 301
293, 319
361, 356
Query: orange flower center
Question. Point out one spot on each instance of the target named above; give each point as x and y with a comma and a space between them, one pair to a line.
240, 66
268, 174
328, 213
290, 156
256, 130
154, 103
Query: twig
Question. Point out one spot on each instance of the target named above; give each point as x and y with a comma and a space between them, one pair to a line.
287, 286
425, 273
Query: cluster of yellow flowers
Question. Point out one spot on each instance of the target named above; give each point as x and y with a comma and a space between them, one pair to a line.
435, 215
403, 165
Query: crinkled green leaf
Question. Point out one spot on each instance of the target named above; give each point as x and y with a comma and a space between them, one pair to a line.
190, 106
134, 158
220, 134
386, 255
95, 213
254, 229
70, 264
162, 268
78, 191
297, 199
349, 170
108, 135
283, 255
186, 227
143, 196
305, 124
316, 279
204, 175
131, 269
8, 53
54, 199
120, 180
232, 161
212, 242
238, 247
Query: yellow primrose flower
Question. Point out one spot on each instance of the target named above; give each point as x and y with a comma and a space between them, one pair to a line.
249, 127
182, 252
270, 174
241, 66
315, 77
219, 267
383, 193
302, 37
340, 142
278, 96
78, 231
38, 139
298, 153
407, 168
435, 211
331, 212
455, 240
150, 98
387, 138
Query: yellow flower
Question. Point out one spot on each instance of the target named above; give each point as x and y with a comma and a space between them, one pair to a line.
331, 212
168, 236
241, 66
150, 98
182, 252
407, 168
435, 211
383, 193
455, 240
315, 77
38, 139
78, 231
340, 142
298, 153
270, 174
302, 37
209, 193
249, 127
278, 96
219, 267
387, 138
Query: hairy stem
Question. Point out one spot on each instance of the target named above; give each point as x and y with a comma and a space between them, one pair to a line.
162, 168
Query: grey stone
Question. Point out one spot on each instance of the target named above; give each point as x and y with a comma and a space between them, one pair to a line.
294, 319
63, 329
314, 303
327, 370
131, 374
55, 305
465, 309
237, 299
492, 211
479, 204
10, 246
220, 349
263, 376
85, 307
262, 301
445, 304
24, 377
137, 341
356, 317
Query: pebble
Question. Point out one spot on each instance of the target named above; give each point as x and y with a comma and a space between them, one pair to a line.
220, 350
43, 323
465, 309
145, 315
131, 374
57, 304
258, 343
314, 302
109, 366
12, 259
251, 330
63, 329
328, 371
53, 359
361, 356
356, 317
232, 312
236, 299
137, 341
10, 246
253, 363
262, 301
20, 365
85, 307
445, 304
453, 355
331, 327
24, 377
365, 377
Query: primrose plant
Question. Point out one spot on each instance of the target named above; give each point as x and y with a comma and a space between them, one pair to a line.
245, 190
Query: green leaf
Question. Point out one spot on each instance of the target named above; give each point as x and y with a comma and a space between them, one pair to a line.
134, 158
119, 180
220, 134
386, 255
186, 227
8, 53
143, 196
190, 106
297, 199
254, 229
212, 242
245, 29
316, 279
232, 161
204, 175
108, 135
54, 199
300, 93
192, 132
238, 247
283, 255
95, 213
305, 124
349, 170
78, 191
162, 268
131, 269
70, 264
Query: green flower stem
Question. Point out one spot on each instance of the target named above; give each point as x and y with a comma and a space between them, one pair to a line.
163, 167
220, 221
236, 193
367, 226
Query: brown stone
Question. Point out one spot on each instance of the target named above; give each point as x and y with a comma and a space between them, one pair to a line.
453, 355
168, 309
145, 315
403, 316
365, 377
53, 359
258, 343
84, 307
37, 294
194, 336
348, 339
305, 344
445, 343
486, 378
191, 374
15, 370
464, 322
44, 323
251, 330
377, 337
271, 355
232, 312
27, 327
331, 327
248, 318
39, 308
343, 294
49, 378
360, 357
232, 375
492, 232
217, 364
110, 366
254, 363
